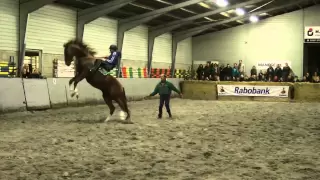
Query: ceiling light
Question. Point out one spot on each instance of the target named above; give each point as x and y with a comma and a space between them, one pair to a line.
240, 11
254, 19
222, 3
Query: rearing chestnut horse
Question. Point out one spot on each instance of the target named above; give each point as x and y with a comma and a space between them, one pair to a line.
87, 66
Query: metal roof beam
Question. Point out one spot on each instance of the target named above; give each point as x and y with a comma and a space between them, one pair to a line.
160, 11
162, 29
87, 15
132, 22
25, 8
177, 37
191, 32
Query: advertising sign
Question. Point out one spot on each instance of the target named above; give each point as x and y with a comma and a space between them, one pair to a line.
312, 34
247, 90
266, 64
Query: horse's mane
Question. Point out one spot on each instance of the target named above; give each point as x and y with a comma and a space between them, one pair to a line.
82, 45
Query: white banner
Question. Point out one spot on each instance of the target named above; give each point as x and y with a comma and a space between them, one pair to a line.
266, 64
247, 90
312, 34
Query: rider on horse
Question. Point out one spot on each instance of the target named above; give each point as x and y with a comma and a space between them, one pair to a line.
112, 61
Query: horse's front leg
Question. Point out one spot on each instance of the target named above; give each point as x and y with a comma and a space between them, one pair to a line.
77, 79
72, 90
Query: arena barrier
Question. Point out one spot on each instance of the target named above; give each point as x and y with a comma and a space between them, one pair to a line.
207, 90
11, 95
39, 94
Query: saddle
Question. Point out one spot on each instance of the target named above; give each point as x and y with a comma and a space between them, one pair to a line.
98, 66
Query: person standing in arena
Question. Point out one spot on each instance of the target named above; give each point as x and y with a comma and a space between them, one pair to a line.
164, 89
112, 61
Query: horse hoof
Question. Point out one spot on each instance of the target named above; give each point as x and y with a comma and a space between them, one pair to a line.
108, 119
122, 115
129, 122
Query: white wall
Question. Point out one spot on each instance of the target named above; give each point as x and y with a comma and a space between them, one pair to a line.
279, 38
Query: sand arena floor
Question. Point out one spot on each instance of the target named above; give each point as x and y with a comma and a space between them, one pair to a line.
206, 141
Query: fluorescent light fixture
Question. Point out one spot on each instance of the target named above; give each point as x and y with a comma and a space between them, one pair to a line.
204, 5
254, 19
222, 3
240, 11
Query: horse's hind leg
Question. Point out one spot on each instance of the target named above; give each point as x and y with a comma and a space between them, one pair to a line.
124, 107
110, 105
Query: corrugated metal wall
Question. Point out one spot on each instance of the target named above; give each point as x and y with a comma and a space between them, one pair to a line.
184, 54
162, 51
277, 38
135, 47
50, 27
100, 34
9, 25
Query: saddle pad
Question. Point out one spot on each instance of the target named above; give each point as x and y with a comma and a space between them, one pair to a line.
103, 71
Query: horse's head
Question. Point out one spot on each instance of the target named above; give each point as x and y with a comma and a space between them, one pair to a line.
76, 48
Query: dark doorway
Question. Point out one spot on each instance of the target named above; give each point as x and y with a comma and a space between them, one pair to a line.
311, 58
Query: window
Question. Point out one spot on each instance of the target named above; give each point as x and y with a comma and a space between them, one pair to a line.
32, 61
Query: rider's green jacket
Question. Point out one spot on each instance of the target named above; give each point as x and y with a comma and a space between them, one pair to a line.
164, 88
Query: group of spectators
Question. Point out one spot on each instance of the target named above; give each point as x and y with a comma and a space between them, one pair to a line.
29, 72
214, 72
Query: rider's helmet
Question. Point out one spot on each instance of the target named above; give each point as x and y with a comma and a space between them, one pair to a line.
113, 47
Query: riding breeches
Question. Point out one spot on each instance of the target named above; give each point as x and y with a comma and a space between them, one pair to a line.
107, 66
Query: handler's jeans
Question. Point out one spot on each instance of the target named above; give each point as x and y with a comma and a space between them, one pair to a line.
164, 99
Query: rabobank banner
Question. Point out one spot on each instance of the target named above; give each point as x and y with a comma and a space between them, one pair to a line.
247, 90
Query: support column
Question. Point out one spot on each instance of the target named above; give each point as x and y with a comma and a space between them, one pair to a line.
175, 42
132, 22
151, 40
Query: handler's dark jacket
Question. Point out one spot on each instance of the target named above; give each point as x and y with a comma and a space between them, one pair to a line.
164, 88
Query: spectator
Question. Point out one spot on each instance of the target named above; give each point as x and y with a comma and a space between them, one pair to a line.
36, 74
207, 71
211, 67
260, 75
285, 72
253, 71
26, 71
315, 78
270, 73
277, 73
252, 78
215, 72
241, 67
228, 72
308, 77
200, 72
304, 79
235, 72
222, 72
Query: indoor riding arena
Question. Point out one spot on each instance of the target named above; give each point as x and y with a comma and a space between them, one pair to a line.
245, 106
206, 139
